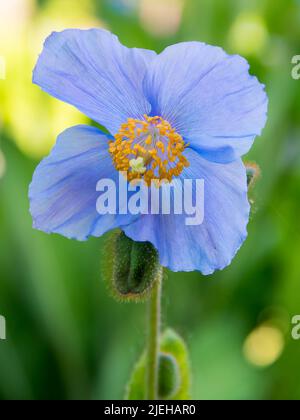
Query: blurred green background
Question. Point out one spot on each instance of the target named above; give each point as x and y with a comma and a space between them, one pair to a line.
66, 337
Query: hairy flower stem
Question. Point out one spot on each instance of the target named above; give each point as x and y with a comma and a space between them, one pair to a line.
154, 320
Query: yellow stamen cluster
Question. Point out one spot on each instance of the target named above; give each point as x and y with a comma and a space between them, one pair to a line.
154, 145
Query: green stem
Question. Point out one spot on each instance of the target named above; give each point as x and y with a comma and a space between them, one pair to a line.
153, 340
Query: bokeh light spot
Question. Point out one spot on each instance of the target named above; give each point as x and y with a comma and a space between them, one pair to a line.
248, 34
161, 17
264, 346
2, 164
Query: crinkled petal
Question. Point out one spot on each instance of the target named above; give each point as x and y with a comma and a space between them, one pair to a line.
91, 70
211, 245
63, 192
209, 97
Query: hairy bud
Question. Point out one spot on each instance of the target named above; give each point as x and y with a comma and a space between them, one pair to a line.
169, 376
131, 268
253, 173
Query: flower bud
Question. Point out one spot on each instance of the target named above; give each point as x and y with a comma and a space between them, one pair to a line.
169, 376
253, 173
131, 268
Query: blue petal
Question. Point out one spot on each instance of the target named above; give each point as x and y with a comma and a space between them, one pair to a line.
213, 244
209, 97
91, 70
63, 192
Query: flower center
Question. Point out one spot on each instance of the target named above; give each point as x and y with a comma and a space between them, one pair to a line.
148, 149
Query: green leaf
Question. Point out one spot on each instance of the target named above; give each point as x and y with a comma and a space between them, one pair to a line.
174, 348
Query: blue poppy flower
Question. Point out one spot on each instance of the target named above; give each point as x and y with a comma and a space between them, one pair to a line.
193, 104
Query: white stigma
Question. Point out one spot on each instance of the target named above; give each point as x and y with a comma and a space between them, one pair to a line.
138, 165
